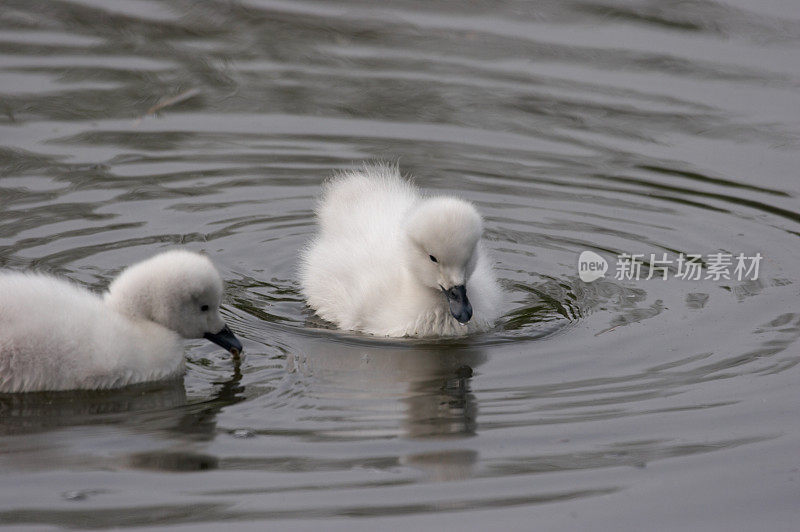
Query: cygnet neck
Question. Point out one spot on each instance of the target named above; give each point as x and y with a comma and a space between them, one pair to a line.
133, 303
410, 286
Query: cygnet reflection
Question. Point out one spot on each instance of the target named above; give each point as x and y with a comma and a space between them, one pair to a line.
164, 429
407, 389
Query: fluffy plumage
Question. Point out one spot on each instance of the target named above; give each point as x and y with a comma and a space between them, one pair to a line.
388, 261
55, 335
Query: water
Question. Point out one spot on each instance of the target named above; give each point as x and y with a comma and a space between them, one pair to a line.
612, 126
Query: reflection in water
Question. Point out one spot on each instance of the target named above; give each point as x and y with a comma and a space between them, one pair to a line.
429, 381
146, 409
177, 461
42, 411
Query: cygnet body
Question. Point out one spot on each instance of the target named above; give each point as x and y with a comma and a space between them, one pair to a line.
388, 261
55, 335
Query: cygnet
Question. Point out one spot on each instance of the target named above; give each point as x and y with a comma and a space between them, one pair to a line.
390, 261
56, 335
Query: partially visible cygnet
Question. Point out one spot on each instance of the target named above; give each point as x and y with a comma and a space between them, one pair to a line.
55, 335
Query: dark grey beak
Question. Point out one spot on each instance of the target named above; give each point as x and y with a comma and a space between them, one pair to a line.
225, 339
460, 307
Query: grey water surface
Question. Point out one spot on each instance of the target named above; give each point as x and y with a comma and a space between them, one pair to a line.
613, 126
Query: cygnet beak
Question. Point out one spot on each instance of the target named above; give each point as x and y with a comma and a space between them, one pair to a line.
225, 339
460, 307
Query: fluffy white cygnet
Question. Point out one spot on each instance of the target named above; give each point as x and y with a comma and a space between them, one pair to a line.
55, 335
391, 262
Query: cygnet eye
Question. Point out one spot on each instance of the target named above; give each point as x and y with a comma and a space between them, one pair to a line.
204, 308
433, 258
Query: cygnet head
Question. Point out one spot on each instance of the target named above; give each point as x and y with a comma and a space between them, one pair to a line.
443, 234
179, 290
